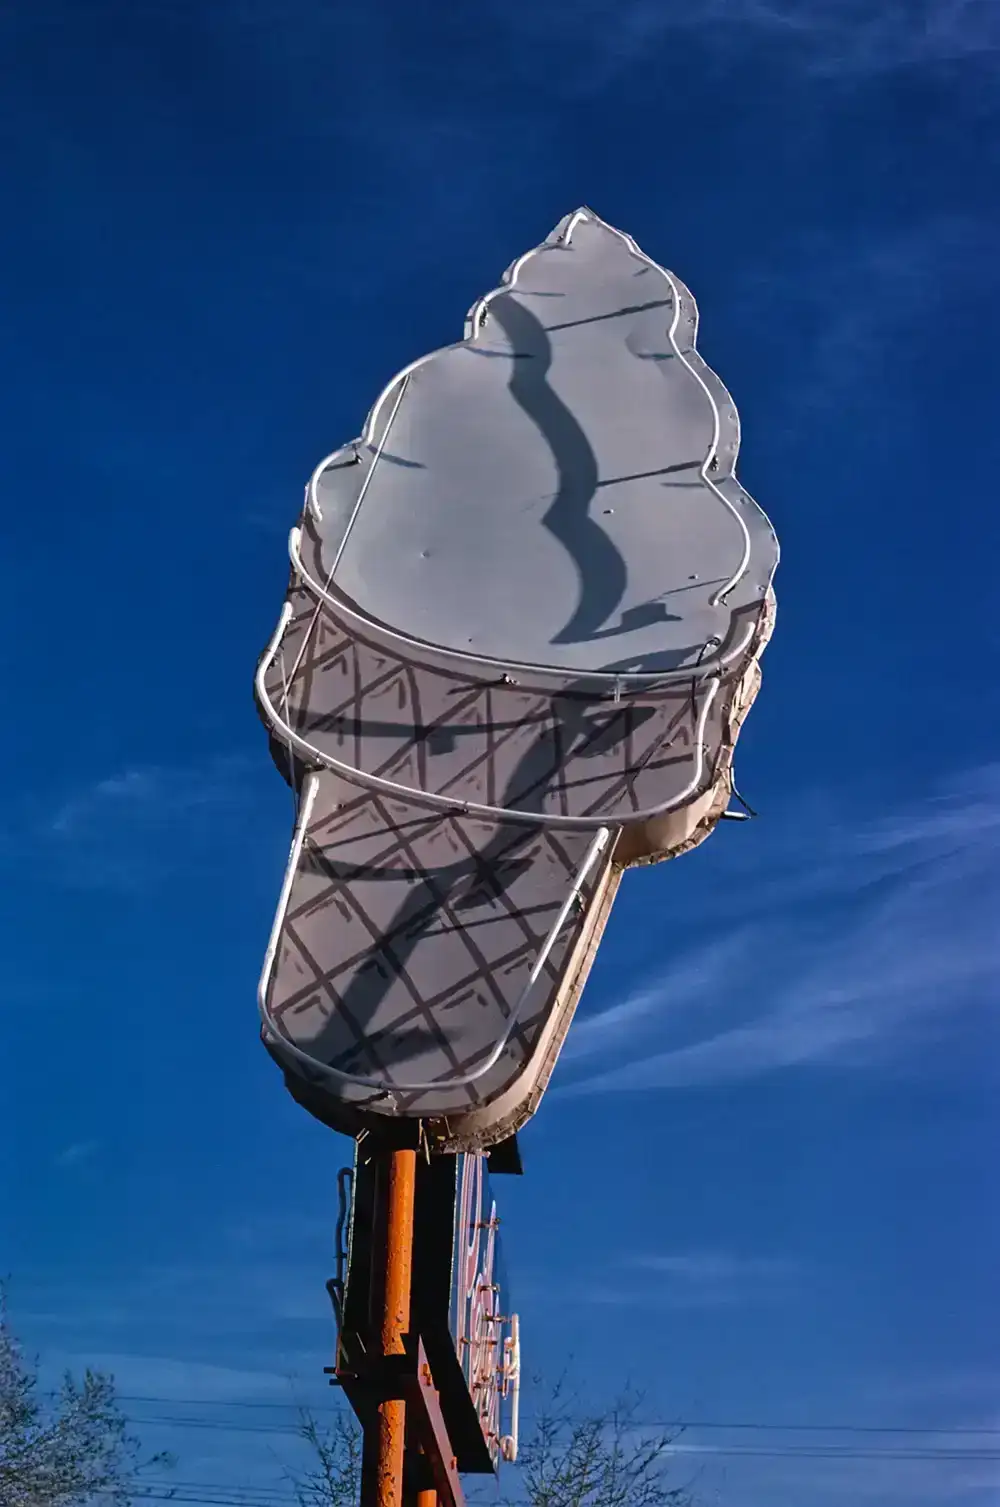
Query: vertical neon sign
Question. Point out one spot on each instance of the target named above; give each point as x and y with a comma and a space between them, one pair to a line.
489, 1357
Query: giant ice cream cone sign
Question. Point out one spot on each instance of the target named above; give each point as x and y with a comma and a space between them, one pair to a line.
521, 633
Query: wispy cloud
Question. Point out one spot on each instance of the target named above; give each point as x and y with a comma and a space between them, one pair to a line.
965, 1396
686, 985
140, 823
842, 39
223, 1424
145, 796
236, 1301
164, 1378
685, 1280
713, 1267
873, 933
853, 37
944, 1457
789, 1471
854, 305
709, 1279
78, 1152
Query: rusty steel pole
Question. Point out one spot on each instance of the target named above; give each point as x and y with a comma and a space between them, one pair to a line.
391, 1423
424, 1490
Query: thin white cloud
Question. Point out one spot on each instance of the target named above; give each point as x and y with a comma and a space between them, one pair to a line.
898, 935
164, 1378
686, 984
949, 1465
967, 1396
713, 1267
143, 822
678, 1281
150, 795
78, 1152
842, 39
824, 1473
862, 300
854, 37
708, 1279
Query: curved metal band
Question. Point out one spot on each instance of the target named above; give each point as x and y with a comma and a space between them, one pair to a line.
309, 754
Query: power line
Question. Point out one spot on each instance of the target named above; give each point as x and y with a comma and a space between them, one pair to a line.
924, 1430
207, 1402
257, 1496
214, 1494
835, 1452
825, 1428
261, 1496
817, 1450
169, 1483
219, 1423
231, 1498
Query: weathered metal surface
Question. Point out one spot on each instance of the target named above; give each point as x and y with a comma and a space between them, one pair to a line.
574, 451
418, 954
520, 636
341, 700
390, 1383
460, 1320
391, 1437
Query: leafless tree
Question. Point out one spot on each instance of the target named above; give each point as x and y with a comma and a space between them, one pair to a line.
569, 1459
604, 1459
334, 1477
67, 1454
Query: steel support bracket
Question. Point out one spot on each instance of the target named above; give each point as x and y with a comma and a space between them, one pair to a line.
409, 1378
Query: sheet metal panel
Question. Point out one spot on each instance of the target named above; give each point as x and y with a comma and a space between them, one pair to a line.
341, 699
558, 488
405, 949
520, 637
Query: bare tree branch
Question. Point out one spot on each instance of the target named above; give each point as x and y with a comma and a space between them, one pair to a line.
70, 1453
569, 1459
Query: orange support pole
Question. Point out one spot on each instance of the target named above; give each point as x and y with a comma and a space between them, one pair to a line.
391, 1443
425, 1494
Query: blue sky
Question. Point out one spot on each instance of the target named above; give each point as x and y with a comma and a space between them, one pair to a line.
762, 1185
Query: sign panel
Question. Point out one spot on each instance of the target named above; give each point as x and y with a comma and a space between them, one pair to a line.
521, 634
485, 1331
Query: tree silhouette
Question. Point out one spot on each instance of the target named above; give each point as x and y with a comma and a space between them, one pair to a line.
568, 1459
67, 1451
